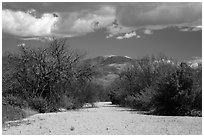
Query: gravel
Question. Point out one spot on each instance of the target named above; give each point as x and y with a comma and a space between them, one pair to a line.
104, 119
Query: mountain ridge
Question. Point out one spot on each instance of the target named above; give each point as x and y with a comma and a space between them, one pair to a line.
109, 66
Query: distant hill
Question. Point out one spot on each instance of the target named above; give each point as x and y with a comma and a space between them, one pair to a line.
109, 66
107, 60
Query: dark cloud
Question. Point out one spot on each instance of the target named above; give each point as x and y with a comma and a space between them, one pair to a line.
158, 14
53, 6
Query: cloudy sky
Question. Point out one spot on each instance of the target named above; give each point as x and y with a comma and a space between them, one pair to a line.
127, 29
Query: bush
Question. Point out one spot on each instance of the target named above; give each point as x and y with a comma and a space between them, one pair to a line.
165, 100
175, 93
14, 101
39, 104
67, 102
160, 86
132, 83
10, 112
45, 75
144, 100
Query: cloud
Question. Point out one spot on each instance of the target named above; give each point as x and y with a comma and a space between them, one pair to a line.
119, 37
150, 15
189, 29
24, 24
83, 22
61, 24
43, 39
127, 35
138, 36
148, 31
21, 45
117, 30
120, 20
155, 16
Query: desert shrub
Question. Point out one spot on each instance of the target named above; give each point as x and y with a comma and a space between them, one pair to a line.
116, 92
144, 100
113, 97
10, 112
91, 93
67, 102
197, 88
132, 83
15, 101
197, 99
38, 104
46, 75
164, 100
85, 93
102, 92
175, 93
159, 85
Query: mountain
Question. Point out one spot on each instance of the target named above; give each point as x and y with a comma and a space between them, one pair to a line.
109, 59
109, 66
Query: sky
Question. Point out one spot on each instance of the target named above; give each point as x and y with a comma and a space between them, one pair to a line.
127, 29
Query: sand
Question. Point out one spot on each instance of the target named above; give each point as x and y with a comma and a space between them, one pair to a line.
104, 119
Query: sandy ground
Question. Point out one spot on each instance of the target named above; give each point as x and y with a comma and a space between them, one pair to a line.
105, 119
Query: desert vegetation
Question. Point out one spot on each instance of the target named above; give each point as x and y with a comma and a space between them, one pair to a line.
161, 86
47, 78
56, 76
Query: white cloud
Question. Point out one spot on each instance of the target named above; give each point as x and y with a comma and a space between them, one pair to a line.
21, 45
148, 31
65, 24
23, 24
186, 28
83, 22
197, 28
127, 35
119, 37
138, 36
43, 39
116, 30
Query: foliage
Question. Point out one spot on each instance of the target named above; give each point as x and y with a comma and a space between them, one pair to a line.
44, 76
14, 101
175, 93
38, 104
161, 86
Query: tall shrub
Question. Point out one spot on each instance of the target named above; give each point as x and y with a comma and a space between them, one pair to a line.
48, 73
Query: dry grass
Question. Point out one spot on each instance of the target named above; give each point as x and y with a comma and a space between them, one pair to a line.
29, 112
10, 113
